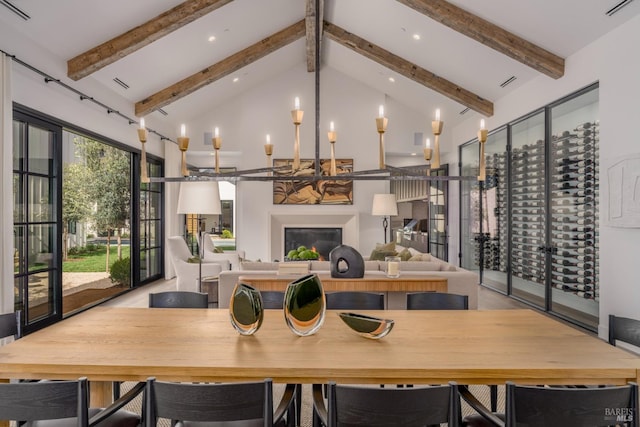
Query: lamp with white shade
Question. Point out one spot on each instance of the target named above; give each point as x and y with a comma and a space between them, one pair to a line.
384, 205
200, 198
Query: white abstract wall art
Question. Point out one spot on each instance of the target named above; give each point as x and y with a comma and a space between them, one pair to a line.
623, 207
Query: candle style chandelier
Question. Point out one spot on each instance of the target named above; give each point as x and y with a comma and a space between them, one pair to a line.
287, 173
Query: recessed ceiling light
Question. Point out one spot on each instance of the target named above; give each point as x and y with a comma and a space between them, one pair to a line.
416, 36
212, 38
392, 80
235, 79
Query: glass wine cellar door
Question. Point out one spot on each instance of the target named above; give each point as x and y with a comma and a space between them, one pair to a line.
531, 228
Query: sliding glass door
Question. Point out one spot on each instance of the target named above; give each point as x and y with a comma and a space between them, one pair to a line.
37, 221
82, 224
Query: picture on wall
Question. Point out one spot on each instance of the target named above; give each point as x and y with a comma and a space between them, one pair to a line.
322, 192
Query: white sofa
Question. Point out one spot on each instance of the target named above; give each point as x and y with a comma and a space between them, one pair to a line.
459, 281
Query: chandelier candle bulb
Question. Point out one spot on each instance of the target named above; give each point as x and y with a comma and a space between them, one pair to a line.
183, 145
217, 144
381, 125
427, 150
482, 138
142, 136
268, 150
296, 115
436, 127
332, 139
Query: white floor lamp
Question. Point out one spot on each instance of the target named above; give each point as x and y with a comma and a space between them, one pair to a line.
384, 205
200, 198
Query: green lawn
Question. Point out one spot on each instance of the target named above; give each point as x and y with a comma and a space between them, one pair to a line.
94, 261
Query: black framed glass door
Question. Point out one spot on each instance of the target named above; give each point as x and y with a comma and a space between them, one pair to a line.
37, 221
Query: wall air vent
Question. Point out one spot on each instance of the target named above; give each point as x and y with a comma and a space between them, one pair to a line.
14, 9
464, 111
615, 9
508, 81
121, 83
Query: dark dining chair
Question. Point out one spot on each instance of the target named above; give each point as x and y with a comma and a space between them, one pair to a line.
11, 325
355, 301
539, 406
386, 407
272, 299
178, 299
624, 329
238, 404
62, 404
436, 301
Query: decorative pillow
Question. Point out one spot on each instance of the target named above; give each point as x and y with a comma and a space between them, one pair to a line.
193, 260
447, 267
421, 257
404, 255
217, 250
415, 251
391, 246
379, 255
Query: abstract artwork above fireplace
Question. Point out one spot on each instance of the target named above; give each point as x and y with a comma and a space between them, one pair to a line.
322, 192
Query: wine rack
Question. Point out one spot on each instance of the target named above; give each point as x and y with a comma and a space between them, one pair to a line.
528, 212
574, 210
573, 229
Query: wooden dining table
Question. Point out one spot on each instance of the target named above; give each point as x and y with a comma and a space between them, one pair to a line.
425, 347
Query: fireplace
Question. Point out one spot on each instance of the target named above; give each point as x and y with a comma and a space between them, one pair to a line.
323, 239
347, 222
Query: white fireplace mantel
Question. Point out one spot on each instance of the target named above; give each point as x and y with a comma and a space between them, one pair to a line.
348, 222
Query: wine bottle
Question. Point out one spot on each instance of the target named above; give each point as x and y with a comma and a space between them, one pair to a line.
586, 125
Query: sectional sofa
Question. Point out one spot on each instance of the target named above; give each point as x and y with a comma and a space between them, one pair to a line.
460, 281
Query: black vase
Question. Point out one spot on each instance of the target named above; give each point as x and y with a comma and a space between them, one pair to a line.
245, 309
305, 305
346, 262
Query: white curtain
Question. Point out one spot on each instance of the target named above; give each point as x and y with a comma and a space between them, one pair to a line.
6, 189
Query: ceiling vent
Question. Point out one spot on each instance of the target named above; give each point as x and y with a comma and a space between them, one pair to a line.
15, 9
121, 83
464, 111
508, 81
615, 9
161, 111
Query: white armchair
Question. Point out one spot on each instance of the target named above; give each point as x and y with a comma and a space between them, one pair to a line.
187, 273
230, 258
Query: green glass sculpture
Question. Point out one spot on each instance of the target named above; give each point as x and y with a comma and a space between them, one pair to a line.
367, 326
245, 309
304, 305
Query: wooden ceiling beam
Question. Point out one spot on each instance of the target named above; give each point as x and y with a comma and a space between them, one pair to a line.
408, 69
490, 35
310, 21
109, 52
223, 68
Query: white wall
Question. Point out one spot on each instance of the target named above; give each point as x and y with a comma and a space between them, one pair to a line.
353, 107
612, 60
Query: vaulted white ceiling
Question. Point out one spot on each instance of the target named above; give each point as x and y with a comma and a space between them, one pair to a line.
67, 28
